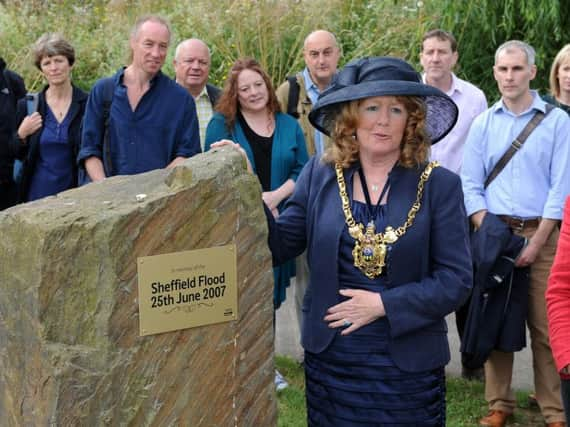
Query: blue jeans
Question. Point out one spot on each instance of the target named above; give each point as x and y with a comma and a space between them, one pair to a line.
565, 391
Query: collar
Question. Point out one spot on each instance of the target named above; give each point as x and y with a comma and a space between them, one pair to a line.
204, 92
537, 104
152, 82
309, 85
455, 86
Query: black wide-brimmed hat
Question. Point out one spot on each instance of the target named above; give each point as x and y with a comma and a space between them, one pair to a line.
383, 76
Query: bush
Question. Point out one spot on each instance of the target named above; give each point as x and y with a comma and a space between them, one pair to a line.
482, 26
273, 31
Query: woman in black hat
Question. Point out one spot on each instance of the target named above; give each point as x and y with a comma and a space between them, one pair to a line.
387, 242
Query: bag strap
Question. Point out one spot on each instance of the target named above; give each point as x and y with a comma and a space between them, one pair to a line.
517, 144
293, 99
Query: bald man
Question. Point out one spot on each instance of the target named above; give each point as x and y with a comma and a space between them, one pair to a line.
192, 66
321, 53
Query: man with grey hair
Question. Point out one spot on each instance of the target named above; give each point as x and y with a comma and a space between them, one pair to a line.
528, 195
139, 119
296, 96
192, 67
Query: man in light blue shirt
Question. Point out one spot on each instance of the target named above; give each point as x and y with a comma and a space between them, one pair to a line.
321, 53
529, 196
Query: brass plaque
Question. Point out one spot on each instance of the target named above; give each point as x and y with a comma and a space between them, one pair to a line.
187, 289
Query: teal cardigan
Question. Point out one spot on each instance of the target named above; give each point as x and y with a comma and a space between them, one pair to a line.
288, 156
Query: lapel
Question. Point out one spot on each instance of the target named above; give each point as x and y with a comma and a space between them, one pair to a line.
403, 189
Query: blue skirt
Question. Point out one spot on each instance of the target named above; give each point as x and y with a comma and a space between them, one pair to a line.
354, 382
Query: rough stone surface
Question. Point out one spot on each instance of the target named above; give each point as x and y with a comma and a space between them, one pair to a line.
70, 350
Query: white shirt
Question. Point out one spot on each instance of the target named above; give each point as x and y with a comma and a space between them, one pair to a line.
470, 102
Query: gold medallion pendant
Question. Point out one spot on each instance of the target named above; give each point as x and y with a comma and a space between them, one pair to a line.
369, 253
370, 248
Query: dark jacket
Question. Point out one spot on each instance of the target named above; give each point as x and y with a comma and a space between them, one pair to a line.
29, 152
498, 307
428, 268
12, 88
213, 93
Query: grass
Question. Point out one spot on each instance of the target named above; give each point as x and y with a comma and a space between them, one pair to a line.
465, 401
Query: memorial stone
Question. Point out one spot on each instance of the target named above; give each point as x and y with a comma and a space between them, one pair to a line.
70, 349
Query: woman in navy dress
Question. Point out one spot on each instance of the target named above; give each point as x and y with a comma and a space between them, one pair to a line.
48, 135
387, 241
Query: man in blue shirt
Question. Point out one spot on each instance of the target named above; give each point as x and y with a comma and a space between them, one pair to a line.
152, 121
529, 196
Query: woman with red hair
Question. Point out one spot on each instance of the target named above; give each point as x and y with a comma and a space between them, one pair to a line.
248, 113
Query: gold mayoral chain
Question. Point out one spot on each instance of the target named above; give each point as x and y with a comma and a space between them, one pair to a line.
370, 249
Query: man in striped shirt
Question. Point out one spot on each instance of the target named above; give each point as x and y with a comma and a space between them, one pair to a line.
192, 67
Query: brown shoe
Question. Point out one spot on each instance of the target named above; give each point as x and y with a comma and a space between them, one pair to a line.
556, 424
494, 418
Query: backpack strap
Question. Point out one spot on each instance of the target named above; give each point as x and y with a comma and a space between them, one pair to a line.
293, 99
108, 92
32, 100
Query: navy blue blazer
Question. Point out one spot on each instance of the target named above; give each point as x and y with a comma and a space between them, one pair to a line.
428, 269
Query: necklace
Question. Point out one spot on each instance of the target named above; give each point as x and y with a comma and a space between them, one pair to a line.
372, 209
370, 248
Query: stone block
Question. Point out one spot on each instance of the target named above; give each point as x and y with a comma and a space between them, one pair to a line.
70, 350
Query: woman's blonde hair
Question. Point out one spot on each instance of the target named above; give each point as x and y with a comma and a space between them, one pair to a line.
562, 56
414, 148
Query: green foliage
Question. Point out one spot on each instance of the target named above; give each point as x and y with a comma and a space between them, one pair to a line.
482, 26
273, 31
291, 401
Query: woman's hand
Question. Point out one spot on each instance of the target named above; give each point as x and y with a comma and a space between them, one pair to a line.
227, 142
272, 199
362, 308
29, 125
